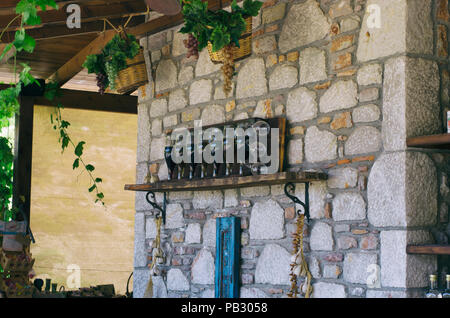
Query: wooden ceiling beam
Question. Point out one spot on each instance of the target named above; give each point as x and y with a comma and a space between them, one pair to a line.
70, 98
89, 13
92, 101
74, 65
8, 7
57, 31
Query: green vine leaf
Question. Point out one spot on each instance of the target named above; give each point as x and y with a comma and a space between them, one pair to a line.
79, 149
27, 11
24, 42
25, 77
76, 164
90, 168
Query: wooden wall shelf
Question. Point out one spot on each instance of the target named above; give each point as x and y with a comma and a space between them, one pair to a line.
434, 141
428, 249
229, 182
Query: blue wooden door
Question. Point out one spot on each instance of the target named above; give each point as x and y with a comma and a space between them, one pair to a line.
228, 241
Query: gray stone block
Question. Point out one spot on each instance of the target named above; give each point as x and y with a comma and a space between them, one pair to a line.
267, 221
140, 251
320, 145
395, 27
399, 269
207, 199
349, 206
166, 75
301, 105
140, 282
209, 233
214, 114
313, 67
342, 178
340, 95
283, 76
321, 238
402, 190
251, 80
410, 101
176, 280
193, 233
327, 290
202, 271
304, 24
356, 267
273, 266
200, 91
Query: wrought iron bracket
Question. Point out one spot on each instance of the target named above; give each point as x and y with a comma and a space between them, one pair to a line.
289, 190
161, 210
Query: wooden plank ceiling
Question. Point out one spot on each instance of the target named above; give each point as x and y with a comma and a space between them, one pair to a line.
60, 51
56, 44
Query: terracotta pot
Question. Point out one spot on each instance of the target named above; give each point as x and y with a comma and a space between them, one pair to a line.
167, 7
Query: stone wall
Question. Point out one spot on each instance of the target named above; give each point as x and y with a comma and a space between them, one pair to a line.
352, 94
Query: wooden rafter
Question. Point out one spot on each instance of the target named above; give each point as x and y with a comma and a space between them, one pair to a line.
74, 65
8, 7
89, 13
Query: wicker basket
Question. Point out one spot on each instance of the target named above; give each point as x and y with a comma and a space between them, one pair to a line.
134, 76
245, 46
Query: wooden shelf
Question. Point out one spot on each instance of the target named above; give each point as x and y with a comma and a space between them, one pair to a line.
428, 249
434, 141
229, 182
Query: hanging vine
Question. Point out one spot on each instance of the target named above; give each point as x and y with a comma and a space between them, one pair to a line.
9, 98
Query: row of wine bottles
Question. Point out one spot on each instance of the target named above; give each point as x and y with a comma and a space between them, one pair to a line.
434, 291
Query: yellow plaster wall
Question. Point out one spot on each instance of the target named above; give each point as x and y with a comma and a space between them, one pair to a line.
68, 227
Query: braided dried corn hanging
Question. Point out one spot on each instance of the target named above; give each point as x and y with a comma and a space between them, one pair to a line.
299, 267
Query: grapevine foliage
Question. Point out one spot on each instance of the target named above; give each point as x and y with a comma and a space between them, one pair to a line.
220, 27
27, 12
111, 60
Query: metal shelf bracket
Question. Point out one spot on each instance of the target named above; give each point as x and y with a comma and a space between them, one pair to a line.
152, 202
289, 190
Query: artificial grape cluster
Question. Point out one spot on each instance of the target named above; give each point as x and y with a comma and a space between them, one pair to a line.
192, 45
227, 68
101, 83
111, 72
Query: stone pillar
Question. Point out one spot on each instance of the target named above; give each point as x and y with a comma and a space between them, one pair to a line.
402, 188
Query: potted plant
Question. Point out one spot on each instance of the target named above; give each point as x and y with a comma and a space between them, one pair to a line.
120, 66
227, 34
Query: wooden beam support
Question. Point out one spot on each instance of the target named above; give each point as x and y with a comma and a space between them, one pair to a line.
92, 101
23, 149
75, 64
